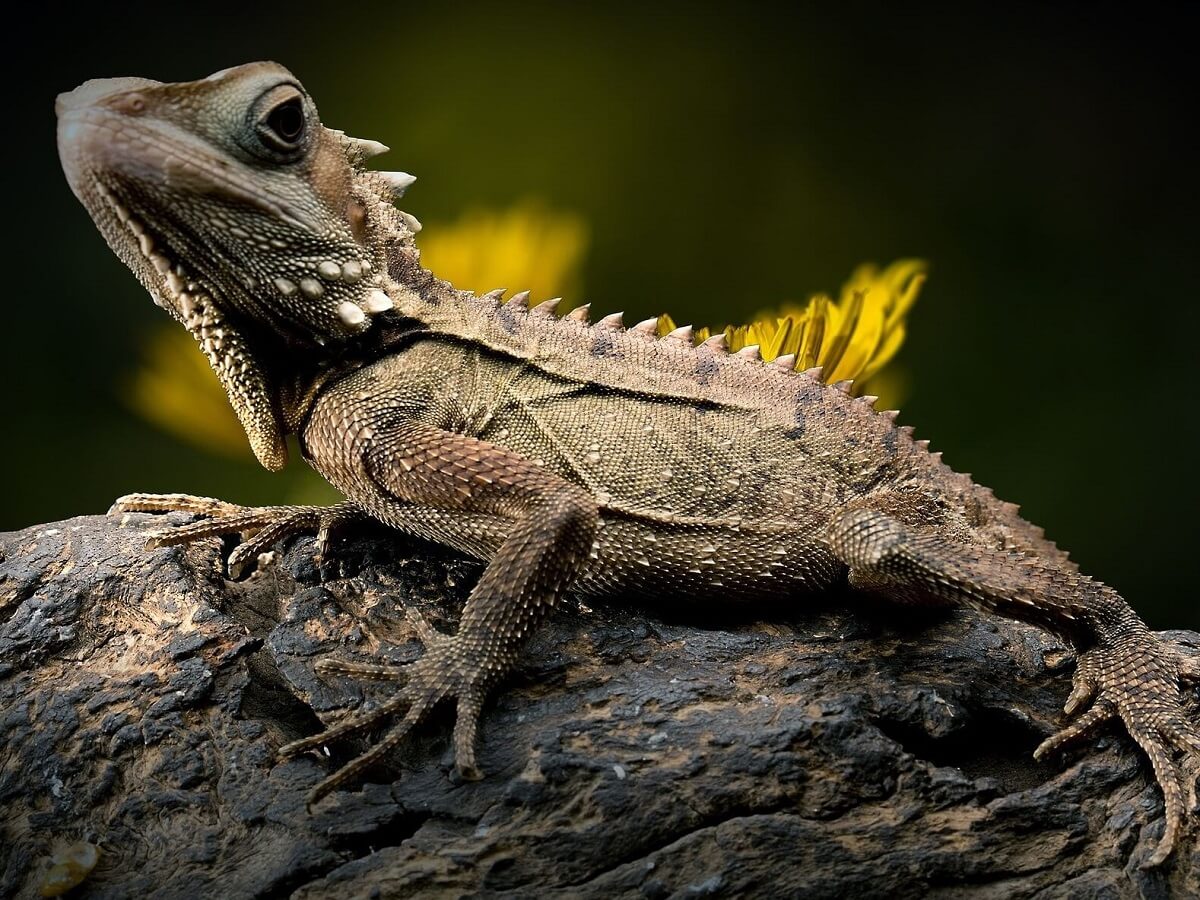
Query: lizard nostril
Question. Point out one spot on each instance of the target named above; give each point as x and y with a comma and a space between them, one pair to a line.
130, 104
116, 91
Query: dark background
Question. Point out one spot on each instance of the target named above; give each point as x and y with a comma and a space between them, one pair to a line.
1040, 158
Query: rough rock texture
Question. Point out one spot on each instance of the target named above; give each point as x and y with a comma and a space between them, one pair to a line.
821, 752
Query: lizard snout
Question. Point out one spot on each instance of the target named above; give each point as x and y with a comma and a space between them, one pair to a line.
95, 91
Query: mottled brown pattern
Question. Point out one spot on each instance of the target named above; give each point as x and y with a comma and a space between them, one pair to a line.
568, 455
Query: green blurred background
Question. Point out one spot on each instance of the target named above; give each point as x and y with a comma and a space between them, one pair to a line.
1041, 159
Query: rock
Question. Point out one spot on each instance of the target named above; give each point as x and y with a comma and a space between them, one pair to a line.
841, 749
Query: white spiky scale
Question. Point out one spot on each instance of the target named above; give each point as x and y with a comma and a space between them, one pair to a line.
579, 313
399, 182
547, 307
311, 288
786, 362
682, 335
351, 313
520, 300
377, 301
750, 351
368, 148
614, 321
646, 327
493, 296
718, 343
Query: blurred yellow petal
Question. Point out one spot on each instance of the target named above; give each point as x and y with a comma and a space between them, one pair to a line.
891, 343
525, 248
894, 290
857, 340
177, 390
814, 334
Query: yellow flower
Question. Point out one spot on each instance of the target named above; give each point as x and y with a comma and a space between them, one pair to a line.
852, 338
525, 247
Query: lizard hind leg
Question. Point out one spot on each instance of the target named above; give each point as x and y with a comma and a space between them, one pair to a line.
1125, 670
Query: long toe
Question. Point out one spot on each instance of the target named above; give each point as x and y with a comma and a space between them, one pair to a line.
1082, 728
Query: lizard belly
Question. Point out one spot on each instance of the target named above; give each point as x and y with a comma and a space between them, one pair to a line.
753, 561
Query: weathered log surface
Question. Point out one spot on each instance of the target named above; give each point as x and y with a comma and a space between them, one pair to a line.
825, 753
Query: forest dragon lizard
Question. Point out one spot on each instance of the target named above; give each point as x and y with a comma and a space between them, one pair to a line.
570, 456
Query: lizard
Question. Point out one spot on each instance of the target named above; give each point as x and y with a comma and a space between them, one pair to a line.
568, 455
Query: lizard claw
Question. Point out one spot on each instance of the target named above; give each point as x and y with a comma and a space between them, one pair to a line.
432, 678
1138, 682
1082, 693
1077, 731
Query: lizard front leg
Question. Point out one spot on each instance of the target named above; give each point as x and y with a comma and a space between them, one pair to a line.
260, 526
1124, 671
542, 526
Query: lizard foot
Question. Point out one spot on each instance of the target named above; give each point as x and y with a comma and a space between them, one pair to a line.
1138, 681
261, 526
446, 670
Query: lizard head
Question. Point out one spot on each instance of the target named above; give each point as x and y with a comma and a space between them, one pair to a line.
245, 218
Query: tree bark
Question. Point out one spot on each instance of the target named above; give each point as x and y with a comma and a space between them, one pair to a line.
829, 750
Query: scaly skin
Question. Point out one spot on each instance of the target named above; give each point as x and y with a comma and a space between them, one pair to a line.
569, 456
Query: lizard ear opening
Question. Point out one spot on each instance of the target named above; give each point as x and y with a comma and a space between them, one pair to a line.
356, 218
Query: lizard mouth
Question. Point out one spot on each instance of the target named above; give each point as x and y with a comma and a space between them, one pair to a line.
174, 287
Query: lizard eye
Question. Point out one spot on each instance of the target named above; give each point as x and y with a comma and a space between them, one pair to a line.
287, 121
281, 121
